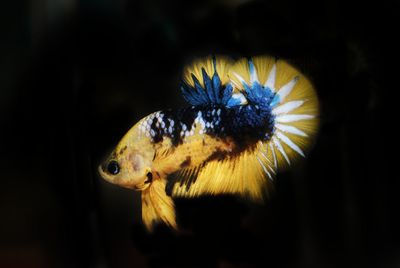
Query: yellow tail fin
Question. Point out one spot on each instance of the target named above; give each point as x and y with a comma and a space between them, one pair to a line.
295, 106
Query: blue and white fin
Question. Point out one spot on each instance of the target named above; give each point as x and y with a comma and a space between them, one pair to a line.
205, 81
278, 86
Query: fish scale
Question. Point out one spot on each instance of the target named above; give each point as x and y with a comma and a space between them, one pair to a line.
235, 122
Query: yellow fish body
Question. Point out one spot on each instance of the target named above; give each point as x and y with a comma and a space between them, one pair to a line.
246, 119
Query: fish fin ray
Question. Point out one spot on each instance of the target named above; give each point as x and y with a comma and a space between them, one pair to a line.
205, 81
157, 206
242, 175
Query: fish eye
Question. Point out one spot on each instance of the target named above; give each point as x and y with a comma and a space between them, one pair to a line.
113, 167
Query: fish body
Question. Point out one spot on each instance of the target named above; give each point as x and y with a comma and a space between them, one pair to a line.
244, 120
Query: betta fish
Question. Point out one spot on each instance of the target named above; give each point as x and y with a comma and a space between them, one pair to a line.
244, 121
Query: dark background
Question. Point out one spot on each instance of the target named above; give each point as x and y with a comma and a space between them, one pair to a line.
75, 75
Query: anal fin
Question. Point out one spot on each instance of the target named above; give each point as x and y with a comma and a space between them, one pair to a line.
242, 174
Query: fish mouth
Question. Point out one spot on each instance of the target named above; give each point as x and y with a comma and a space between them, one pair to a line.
103, 174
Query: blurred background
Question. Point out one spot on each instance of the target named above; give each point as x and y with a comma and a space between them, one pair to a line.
76, 75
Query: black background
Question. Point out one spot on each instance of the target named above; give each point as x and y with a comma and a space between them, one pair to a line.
75, 75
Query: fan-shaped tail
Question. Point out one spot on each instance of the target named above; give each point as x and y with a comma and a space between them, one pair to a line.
293, 102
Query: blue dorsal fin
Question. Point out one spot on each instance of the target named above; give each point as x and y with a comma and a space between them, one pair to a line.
199, 90
188, 96
216, 80
215, 87
226, 94
216, 83
208, 86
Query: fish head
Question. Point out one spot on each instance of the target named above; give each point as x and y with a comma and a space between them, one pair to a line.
130, 163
